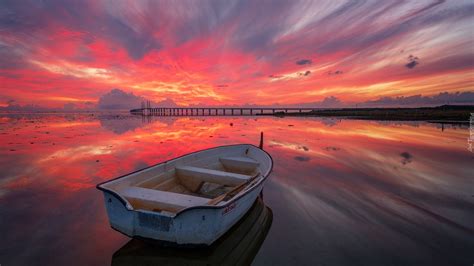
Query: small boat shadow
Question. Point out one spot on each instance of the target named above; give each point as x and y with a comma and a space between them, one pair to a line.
238, 246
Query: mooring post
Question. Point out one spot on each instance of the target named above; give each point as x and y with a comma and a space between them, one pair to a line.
261, 140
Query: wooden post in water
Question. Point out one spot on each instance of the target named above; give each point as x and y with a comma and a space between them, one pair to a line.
261, 140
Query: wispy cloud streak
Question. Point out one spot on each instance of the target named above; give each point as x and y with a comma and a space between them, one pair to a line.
186, 50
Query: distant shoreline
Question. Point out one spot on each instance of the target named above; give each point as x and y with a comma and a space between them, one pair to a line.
439, 114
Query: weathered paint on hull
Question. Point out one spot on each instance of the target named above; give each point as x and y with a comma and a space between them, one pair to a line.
195, 226
238, 246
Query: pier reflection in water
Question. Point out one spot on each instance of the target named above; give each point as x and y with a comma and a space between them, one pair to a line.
237, 247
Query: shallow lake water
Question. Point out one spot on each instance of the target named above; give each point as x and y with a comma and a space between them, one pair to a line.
342, 192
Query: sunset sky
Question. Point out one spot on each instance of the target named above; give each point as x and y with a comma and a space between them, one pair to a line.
54, 53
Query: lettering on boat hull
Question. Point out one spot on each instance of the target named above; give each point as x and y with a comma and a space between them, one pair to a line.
228, 209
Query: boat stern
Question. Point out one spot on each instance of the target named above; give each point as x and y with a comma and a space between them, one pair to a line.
120, 218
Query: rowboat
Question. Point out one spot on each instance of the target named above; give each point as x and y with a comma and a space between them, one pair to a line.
238, 246
190, 200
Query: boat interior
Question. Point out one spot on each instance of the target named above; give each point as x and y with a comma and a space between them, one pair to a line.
193, 180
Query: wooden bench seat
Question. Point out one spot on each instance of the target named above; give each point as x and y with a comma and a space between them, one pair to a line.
151, 199
191, 174
239, 164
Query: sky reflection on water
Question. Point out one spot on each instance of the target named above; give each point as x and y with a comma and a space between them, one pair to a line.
342, 191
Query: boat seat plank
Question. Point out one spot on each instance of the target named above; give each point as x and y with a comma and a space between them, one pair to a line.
240, 164
163, 200
210, 175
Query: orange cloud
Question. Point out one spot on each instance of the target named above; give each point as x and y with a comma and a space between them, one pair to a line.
235, 54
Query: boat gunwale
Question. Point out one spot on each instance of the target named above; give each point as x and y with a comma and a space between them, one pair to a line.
125, 202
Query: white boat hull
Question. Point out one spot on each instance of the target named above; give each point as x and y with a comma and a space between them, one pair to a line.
198, 225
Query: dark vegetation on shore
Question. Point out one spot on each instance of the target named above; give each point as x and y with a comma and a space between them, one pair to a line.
448, 113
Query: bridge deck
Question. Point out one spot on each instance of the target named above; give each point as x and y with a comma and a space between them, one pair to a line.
216, 111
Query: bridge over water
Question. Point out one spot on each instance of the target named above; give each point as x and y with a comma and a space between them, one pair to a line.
217, 111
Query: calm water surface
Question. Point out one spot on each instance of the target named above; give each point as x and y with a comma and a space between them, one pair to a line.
343, 192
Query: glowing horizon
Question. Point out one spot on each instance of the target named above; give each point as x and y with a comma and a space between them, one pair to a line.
233, 53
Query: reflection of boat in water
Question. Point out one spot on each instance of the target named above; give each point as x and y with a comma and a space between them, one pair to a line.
190, 200
237, 247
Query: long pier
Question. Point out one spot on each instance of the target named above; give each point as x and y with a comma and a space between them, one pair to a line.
217, 111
